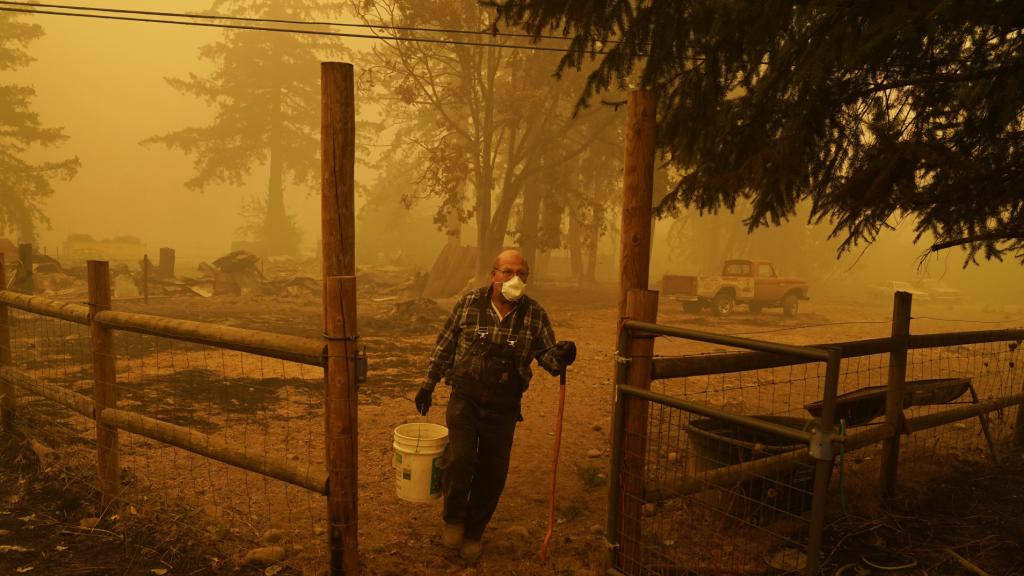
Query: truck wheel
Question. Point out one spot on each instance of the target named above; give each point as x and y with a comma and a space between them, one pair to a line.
691, 307
755, 308
790, 305
722, 304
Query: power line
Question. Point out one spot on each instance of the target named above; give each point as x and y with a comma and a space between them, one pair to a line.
34, 6
283, 21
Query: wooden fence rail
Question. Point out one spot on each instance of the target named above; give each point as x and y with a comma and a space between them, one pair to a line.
293, 348
818, 446
335, 353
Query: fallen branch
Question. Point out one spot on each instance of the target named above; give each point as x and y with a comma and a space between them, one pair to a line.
967, 564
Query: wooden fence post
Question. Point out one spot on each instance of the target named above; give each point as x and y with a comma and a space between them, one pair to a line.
1018, 431
337, 139
634, 273
641, 305
638, 187
894, 391
7, 404
104, 383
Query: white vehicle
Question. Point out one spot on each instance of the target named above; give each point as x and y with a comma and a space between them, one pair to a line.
749, 282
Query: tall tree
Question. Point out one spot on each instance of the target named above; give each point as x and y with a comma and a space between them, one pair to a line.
479, 117
265, 91
24, 185
873, 110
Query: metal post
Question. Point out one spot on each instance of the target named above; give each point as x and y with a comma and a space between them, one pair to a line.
7, 404
895, 390
821, 449
641, 305
104, 383
615, 462
337, 139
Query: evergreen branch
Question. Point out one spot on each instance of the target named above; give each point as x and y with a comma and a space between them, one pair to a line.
988, 237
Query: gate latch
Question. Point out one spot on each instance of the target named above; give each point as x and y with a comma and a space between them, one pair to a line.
361, 366
821, 444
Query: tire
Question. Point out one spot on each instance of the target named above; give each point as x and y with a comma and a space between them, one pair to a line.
790, 304
755, 308
722, 304
691, 307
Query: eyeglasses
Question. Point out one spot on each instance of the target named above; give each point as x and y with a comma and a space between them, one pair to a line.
508, 273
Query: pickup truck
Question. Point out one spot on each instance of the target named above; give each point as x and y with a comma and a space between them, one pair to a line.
749, 282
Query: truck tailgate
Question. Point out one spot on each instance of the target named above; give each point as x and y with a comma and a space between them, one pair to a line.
673, 285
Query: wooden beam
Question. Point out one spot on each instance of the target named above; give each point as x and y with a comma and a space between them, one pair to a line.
895, 385
251, 458
337, 137
78, 403
293, 348
43, 306
104, 383
637, 191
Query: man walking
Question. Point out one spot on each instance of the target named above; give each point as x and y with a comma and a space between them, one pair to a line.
484, 352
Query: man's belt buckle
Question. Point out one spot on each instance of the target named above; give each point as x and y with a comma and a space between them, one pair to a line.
511, 341
482, 333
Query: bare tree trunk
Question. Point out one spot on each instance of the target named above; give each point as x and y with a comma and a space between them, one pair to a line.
590, 246
485, 177
277, 234
550, 236
575, 244
530, 223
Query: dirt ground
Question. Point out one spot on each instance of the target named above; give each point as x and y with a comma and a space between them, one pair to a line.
975, 510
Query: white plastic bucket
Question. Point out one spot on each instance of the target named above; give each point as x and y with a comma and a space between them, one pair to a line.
418, 448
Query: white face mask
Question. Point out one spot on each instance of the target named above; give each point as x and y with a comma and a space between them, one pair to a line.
513, 289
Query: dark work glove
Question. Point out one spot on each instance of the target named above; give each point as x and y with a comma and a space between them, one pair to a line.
424, 399
565, 353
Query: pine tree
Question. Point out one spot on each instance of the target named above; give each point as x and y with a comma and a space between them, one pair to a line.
265, 91
873, 110
24, 185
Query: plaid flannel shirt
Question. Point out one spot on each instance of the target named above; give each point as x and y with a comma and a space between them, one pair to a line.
461, 328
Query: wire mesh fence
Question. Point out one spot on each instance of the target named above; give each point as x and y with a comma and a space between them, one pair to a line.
719, 497
236, 398
689, 518
239, 399
993, 370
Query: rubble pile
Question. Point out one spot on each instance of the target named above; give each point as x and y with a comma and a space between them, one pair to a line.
238, 273
417, 310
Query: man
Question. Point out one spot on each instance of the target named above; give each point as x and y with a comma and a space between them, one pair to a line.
484, 352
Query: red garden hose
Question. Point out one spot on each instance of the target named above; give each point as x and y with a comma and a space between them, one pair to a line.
554, 466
